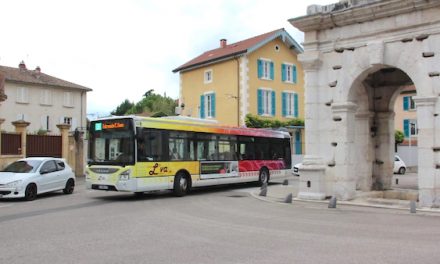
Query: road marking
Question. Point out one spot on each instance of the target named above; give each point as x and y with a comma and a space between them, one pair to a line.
6, 205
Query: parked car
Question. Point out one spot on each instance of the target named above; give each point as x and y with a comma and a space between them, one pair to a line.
399, 165
26, 178
295, 170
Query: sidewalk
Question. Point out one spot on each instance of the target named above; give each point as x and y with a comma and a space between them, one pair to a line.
277, 193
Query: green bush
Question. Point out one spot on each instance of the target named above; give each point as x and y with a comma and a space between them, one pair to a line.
257, 122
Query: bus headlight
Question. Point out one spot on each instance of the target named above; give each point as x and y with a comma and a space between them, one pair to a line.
125, 176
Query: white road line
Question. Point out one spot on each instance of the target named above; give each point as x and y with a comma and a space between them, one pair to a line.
6, 205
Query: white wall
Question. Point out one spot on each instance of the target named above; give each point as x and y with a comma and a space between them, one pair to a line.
408, 155
35, 110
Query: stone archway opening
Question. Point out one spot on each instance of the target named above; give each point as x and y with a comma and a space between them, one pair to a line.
375, 93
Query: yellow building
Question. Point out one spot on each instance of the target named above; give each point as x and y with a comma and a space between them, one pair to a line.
260, 76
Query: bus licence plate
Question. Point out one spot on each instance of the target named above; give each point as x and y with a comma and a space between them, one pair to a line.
103, 187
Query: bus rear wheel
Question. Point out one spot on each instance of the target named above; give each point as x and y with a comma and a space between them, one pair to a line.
264, 177
181, 184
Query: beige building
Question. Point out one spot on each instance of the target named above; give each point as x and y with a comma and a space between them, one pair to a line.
405, 118
41, 99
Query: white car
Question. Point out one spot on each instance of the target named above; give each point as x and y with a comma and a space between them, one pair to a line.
26, 178
295, 170
399, 165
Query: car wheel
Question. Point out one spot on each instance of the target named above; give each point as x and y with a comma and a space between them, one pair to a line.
31, 192
402, 170
264, 177
70, 186
181, 184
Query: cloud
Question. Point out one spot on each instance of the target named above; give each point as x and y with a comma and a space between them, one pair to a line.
121, 49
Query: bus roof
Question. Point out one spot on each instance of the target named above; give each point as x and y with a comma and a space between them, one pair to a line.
199, 125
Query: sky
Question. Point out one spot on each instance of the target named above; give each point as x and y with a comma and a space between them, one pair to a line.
121, 49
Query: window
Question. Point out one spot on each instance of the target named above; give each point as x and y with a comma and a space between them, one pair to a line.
410, 127
289, 104
207, 105
49, 166
208, 76
68, 99
60, 165
266, 102
150, 145
265, 69
408, 103
45, 122
288, 73
67, 120
46, 97
22, 95
23, 117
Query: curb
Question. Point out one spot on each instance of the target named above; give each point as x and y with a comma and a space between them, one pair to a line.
269, 199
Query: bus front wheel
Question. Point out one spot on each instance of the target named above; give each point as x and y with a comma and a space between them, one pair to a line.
181, 184
264, 177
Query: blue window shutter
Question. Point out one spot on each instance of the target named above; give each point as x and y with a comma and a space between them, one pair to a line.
295, 102
213, 104
298, 148
406, 103
283, 72
260, 101
202, 106
272, 71
260, 69
284, 104
273, 103
406, 127
294, 73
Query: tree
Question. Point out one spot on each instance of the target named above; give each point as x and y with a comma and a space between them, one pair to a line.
123, 108
151, 105
399, 137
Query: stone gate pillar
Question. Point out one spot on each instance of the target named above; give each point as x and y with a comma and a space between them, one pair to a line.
429, 186
20, 127
364, 153
384, 151
312, 177
344, 187
2, 120
64, 129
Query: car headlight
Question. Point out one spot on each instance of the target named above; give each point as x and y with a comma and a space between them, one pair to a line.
13, 184
125, 176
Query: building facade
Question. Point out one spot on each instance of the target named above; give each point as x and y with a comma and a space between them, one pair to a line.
42, 100
259, 76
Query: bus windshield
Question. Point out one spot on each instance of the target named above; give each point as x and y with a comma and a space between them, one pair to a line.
112, 142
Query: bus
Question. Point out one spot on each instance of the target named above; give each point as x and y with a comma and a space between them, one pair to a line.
141, 154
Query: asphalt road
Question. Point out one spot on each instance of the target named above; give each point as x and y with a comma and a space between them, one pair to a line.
215, 225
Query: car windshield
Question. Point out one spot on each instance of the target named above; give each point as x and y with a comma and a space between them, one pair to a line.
23, 166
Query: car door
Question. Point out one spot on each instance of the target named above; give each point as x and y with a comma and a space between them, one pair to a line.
64, 172
48, 176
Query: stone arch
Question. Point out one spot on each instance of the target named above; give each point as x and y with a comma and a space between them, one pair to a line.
374, 91
346, 49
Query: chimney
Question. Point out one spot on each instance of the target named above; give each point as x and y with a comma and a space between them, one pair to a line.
37, 72
223, 43
22, 66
